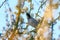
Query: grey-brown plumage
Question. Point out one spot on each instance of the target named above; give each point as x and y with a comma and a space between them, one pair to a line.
31, 20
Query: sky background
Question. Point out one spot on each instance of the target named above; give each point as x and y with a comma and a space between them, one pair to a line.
13, 3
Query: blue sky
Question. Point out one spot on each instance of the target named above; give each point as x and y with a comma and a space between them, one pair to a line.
13, 3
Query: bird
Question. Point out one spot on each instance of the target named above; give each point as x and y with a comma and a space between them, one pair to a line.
31, 21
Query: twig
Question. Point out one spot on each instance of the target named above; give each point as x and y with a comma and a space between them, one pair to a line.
41, 5
2, 3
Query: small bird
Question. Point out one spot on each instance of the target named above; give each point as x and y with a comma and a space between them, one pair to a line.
31, 20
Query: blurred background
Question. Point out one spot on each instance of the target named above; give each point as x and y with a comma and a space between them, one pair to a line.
15, 24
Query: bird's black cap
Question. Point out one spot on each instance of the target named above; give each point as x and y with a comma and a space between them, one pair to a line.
28, 15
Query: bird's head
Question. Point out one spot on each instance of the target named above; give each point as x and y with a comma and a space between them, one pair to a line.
28, 15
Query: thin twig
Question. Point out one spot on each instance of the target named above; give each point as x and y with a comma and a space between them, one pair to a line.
2, 3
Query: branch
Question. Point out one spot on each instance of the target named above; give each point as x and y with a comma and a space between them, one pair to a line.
17, 21
41, 6
2, 3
